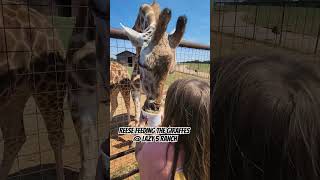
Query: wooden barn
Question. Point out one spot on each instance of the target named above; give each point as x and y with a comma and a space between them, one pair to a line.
126, 57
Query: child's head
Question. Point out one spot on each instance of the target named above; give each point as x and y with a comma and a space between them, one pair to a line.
187, 101
187, 105
266, 112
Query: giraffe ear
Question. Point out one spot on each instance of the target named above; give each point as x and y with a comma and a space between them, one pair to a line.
135, 37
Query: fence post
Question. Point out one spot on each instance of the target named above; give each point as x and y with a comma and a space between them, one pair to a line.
317, 42
282, 21
235, 19
255, 23
235, 23
220, 29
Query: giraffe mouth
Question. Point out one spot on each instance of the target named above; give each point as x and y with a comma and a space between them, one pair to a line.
151, 106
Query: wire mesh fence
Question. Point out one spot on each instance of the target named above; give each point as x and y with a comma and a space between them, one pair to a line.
37, 118
266, 26
193, 61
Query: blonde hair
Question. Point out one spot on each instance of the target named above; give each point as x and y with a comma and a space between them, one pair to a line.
187, 105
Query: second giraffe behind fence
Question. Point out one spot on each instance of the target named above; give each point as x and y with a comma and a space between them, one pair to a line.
120, 83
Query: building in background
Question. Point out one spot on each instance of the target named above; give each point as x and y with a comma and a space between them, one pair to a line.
126, 57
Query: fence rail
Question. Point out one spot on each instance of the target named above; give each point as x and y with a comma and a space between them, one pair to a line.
119, 34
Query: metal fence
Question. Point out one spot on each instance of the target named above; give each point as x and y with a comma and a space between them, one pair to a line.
193, 60
276, 26
20, 114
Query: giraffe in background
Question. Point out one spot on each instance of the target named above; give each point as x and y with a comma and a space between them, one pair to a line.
120, 83
155, 50
31, 64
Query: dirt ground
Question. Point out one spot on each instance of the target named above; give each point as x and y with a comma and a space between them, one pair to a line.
36, 160
120, 143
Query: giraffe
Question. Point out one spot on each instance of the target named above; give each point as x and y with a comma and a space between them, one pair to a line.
83, 86
82, 55
120, 83
31, 64
155, 50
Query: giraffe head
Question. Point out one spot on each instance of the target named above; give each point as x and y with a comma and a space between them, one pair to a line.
149, 36
155, 48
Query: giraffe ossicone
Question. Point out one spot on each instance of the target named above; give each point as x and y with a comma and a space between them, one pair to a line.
139, 39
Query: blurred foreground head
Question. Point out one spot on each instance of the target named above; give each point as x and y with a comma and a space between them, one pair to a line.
266, 112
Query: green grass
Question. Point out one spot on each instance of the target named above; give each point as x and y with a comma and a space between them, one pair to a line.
177, 75
200, 67
174, 76
130, 69
228, 48
296, 19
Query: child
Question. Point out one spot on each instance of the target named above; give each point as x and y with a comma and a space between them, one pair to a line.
187, 105
266, 118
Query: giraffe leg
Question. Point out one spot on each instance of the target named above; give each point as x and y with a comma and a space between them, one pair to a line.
12, 128
84, 116
14, 138
125, 92
51, 108
13, 142
49, 93
114, 100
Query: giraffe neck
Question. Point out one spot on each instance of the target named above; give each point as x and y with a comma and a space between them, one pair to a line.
84, 30
85, 24
118, 73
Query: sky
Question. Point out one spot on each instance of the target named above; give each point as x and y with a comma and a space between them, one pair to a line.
197, 12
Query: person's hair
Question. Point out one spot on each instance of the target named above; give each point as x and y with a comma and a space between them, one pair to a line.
266, 118
187, 105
